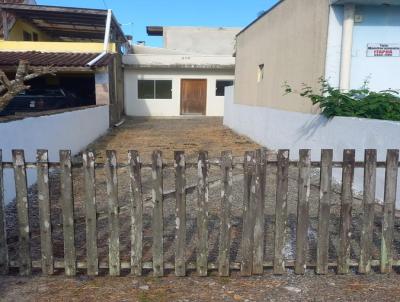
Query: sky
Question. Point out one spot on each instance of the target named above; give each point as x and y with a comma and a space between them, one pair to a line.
135, 15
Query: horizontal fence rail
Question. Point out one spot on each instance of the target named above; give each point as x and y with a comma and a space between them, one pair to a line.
252, 170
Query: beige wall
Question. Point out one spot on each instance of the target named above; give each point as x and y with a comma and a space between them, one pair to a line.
290, 41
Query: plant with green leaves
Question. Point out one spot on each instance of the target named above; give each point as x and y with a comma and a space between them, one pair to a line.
364, 103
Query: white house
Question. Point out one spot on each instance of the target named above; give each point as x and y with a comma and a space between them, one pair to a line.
187, 76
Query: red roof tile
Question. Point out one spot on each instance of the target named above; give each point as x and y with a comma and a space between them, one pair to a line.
55, 59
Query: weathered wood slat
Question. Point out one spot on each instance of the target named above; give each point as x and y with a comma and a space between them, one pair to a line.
324, 211
180, 207
4, 268
113, 213
345, 212
249, 184
304, 182
67, 204
202, 215
225, 214
392, 161
136, 213
46, 246
259, 224
22, 212
281, 211
158, 217
91, 213
366, 241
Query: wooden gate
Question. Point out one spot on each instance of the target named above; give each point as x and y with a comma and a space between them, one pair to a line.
252, 227
193, 97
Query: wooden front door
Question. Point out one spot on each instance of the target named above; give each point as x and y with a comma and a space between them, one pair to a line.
193, 96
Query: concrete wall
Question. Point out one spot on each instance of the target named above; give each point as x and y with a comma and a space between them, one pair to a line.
280, 129
334, 47
380, 24
139, 107
163, 61
72, 130
201, 40
290, 40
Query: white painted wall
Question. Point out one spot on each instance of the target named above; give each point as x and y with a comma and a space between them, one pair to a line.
201, 40
379, 24
157, 107
277, 129
162, 60
72, 130
334, 45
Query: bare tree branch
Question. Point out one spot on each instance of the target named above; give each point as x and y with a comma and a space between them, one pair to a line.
9, 89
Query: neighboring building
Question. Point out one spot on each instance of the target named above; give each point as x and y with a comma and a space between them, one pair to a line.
187, 76
345, 41
84, 45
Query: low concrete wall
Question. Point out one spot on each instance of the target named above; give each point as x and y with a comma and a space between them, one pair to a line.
278, 129
72, 130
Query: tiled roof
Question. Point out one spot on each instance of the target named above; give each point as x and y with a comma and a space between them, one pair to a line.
55, 59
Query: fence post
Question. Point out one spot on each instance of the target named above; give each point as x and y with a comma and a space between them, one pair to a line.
113, 213
366, 240
180, 188
324, 211
44, 212
225, 214
391, 174
67, 203
91, 213
3, 233
304, 182
281, 211
25, 262
345, 212
136, 212
157, 222
248, 213
260, 184
202, 214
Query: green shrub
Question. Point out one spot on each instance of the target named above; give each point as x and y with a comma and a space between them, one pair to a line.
383, 105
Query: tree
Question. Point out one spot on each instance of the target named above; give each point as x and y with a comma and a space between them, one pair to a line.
10, 88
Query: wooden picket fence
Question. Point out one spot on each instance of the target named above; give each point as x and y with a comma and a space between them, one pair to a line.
254, 168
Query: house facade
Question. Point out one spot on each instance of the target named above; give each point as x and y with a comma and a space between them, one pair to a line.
187, 76
85, 46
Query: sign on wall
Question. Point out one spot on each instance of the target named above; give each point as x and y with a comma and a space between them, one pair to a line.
383, 50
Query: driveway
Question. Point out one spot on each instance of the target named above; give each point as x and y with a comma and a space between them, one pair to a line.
188, 134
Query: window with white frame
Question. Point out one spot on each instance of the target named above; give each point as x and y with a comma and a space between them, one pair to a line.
155, 89
220, 86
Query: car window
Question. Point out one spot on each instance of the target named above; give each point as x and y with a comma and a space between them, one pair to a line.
43, 92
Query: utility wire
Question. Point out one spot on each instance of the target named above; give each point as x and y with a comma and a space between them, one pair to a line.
105, 4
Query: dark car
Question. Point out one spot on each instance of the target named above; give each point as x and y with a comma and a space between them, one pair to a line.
34, 100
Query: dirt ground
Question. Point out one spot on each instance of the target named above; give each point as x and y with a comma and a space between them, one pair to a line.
190, 135
168, 135
192, 289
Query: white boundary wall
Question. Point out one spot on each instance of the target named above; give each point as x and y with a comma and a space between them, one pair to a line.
72, 130
277, 129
